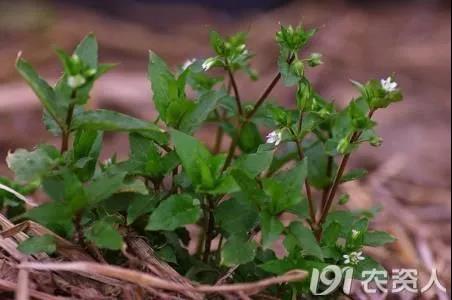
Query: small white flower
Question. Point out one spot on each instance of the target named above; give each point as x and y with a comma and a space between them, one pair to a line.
355, 233
188, 63
353, 258
76, 81
389, 85
208, 63
274, 137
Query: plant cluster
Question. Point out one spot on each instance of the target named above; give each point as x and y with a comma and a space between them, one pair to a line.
171, 179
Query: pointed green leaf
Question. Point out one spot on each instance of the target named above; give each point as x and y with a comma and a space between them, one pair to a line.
271, 229
236, 216
87, 146
175, 212
238, 251
87, 51
193, 155
104, 235
41, 88
37, 244
255, 163
378, 238
161, 80
106, 120
285, 188
140, 205
306, 240
206, 104
104, 185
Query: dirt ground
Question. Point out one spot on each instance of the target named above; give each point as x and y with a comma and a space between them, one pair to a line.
410, 174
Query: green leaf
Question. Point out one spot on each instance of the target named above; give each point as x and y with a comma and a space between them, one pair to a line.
238, 251
145, 158
318, 166
306, 240
236, 216
250, 188
55, 215
87, 51
140, 205
278, 266
41, 88
331, 234
355, 174
285, 188
378, 238
87, 147
250, 138
133, 185
104, 185
106, 120
194, 157
255, 163
175, 212
271, 229
37, 244
30, 166
161, 81
288, 73
66, 187
206, 105
104, 235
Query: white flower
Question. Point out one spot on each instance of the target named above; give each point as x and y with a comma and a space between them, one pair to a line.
355, 233
188, 63
354, 258
274, 137
208, 63
76, 81
388, 85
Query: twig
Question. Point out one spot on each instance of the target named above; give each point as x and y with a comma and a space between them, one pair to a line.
146, 280
12, 286
22, 290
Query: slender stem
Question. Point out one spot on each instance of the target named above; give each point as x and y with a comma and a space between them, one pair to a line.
308, 187
337, 180
249, 116
209, 230
67, 130
329, 173
78, 233
231, 150
219, 135
236, 91
268, 90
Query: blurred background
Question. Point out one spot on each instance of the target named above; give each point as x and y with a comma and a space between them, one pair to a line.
410, 174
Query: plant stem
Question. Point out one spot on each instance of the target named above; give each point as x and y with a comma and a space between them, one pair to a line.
67, 130
209, 230
268, 90
337, 180
78, 233
301, 157
249, 116
236, 92
219, 135
329, 173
